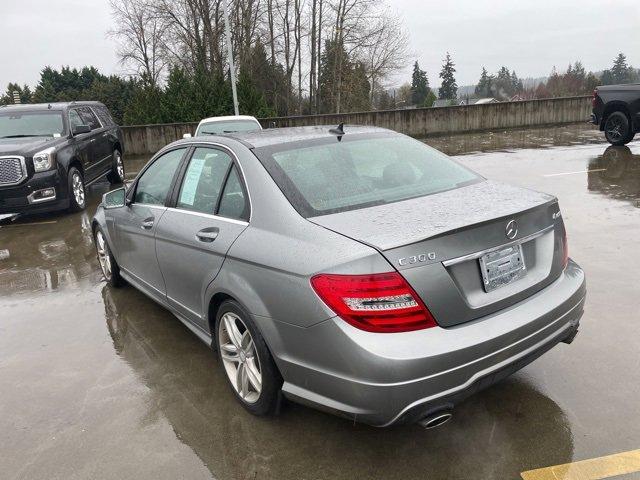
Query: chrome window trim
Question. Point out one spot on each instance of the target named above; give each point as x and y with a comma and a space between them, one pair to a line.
23, 164
476, 255
149, 205
208, 215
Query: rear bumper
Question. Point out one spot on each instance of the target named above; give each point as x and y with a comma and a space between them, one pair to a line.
16, 199
383, 379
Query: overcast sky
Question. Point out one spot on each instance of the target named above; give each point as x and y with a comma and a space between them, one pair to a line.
528, 36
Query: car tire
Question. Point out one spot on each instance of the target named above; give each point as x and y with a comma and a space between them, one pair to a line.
617, 129
108, 265
77, 191
254, 358
116, 175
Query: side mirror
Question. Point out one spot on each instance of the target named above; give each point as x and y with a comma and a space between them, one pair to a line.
186, 135
80, 129
272, 124
114, 198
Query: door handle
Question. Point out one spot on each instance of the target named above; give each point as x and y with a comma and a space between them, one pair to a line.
208, 235
147, 224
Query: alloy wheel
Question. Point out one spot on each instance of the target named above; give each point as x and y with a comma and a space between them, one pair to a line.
119, 166
240, 358
78, 189
103, 255
615, 128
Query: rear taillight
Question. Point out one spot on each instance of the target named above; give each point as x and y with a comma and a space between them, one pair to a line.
594, 99
382, 302
565, 250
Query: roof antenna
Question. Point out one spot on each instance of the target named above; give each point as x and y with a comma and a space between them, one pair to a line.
338, 131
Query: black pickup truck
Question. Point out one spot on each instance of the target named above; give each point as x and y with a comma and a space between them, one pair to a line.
49, 154
616, 111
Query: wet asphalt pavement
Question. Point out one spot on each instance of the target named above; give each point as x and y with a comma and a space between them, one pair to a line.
101, 383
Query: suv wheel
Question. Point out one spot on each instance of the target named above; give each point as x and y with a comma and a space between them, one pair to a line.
617, 129
108, 264
246, 360
116, 175
77, 194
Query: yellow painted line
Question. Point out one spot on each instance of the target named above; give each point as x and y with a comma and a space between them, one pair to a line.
592, 469
573, 173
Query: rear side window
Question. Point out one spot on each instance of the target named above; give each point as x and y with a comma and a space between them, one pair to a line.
88, 118
233, 203
153, 186
203, 180
333, 176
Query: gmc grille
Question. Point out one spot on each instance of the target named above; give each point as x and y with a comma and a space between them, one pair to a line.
12, 170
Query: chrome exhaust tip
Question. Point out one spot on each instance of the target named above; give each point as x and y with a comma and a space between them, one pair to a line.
436, 419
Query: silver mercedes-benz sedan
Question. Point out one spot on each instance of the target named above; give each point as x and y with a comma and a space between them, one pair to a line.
352, 269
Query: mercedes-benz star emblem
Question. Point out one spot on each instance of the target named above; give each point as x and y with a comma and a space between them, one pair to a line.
511, 230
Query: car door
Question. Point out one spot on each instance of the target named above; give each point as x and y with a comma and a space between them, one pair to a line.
81, 142
192, 238
100, 153
137, 222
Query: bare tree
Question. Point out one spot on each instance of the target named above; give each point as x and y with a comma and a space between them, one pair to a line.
385, 51
140, 36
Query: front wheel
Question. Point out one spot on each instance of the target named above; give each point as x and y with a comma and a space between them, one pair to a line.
77, 193
116, 175
108, 264
617, 129
246, 360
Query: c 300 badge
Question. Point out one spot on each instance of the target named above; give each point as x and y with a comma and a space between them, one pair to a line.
421, 258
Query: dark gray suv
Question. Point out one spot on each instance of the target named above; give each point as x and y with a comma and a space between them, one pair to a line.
49, 153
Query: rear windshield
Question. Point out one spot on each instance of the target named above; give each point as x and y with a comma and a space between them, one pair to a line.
331, 176
31, 124
230, 126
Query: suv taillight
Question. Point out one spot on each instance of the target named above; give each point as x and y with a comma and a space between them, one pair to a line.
594, 98
382, 302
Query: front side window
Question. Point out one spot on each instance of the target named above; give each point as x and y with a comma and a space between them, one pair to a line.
154, 184
88, 118
203, 180
31, 124
74, 119
228, 126
333, 176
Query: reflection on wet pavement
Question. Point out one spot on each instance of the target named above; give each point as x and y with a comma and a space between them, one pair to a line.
103, 383
616, 173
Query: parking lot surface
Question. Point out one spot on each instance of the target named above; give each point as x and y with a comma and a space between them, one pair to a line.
102, 383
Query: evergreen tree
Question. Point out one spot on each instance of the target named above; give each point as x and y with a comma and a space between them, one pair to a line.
24, 93
483, 88
448, 88
431, 98
419, 85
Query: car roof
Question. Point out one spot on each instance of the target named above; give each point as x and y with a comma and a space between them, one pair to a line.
229, 117
57, 106
276, 136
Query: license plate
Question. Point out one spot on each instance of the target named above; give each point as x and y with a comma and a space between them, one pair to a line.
501, 267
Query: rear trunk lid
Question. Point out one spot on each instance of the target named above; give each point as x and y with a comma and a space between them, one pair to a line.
443, 243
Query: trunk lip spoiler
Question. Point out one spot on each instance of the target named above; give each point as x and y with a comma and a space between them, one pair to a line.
476, 255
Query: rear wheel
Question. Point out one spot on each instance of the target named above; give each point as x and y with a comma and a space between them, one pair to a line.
108, 264
246, 360
617, 129
116, 175
77, 193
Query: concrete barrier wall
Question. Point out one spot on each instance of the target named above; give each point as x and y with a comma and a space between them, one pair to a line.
420, 122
